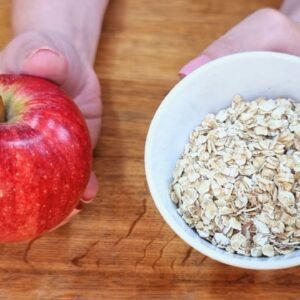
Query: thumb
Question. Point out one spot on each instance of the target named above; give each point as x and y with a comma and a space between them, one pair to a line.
265, 30
47, 63
34, 55
47, 55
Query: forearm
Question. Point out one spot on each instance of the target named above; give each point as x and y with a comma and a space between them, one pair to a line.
292, 9
78, 21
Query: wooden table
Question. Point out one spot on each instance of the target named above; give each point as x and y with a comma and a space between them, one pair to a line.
119, 247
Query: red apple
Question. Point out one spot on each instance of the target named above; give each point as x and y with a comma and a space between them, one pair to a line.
45, 157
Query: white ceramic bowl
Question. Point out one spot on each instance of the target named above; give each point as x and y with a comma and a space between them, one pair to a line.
207, 90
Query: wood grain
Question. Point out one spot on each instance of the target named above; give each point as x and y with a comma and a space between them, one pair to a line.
119, 247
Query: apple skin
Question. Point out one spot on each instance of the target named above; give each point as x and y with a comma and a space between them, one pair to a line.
45, 157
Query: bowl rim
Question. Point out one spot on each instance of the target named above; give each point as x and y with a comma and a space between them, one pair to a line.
246, 264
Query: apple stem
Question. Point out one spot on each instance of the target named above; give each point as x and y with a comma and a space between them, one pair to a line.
2, 110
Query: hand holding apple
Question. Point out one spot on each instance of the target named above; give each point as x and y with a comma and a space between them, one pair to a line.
60, 47
54, 57
45, 157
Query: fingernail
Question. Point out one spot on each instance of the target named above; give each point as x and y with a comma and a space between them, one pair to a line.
84, 200
43, 49
193, 65
38, 55
47, 63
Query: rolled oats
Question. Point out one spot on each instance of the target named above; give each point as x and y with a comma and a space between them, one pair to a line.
238, 181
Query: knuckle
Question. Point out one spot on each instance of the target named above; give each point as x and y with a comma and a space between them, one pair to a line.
274, 26
272, 16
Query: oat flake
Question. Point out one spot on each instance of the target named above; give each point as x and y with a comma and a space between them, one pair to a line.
238, 180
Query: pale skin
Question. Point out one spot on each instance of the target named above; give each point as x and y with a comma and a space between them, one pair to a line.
58, 40
266, 30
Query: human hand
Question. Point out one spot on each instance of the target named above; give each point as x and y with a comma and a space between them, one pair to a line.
265, 30
51, 56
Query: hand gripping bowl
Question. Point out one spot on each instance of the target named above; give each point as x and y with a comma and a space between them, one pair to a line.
207, 90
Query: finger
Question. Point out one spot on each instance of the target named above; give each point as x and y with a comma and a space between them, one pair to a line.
46, 63
90, 104
266, 30
193, 65
51, 57
91, 189
73, 213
